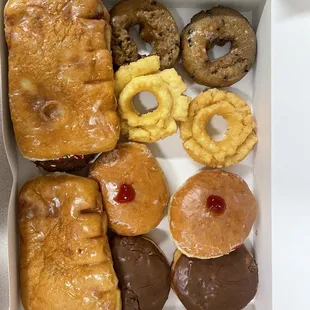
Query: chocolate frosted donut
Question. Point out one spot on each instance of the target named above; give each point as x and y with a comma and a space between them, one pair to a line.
211, 214
143, 273
225, 283
217, 27
65, 164
157, 27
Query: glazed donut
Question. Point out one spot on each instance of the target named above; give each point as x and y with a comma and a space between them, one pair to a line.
239, 139
228, 282
134, 188
217, 27
143, 273
211, 214
157, 27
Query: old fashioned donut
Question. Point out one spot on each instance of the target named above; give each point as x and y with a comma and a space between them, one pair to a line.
157, 27
217, 27
134, 188
211, 214
228, 282
168, 88
143, 272
239, 137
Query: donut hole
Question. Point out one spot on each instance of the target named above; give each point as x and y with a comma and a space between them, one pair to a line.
218, 51
217, 127
143, 47
144, 102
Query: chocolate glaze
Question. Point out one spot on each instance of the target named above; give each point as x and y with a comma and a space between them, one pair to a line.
143, 273
225, 283
65, 164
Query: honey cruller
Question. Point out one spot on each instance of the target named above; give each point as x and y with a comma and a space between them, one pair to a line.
167, 86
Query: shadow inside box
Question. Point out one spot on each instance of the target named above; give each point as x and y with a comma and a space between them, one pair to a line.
177, 17
246, 97
170, 174
158, 235
251, 306
242, 170
170, 147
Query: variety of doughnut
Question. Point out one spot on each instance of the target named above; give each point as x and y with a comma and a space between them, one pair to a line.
143, 273
167, 86
239, 139
157, 27
68, 105
217, 27
211, 214
133, 187
228, 282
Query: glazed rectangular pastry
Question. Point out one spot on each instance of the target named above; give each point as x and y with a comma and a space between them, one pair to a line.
65, 259
61, 86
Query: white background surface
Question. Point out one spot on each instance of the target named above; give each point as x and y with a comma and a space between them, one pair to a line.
291, 153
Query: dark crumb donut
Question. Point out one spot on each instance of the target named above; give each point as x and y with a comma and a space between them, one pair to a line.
143, 273
65, 164
217, 27
157, 27
229, 282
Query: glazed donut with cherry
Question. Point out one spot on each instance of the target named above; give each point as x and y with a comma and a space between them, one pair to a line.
133, 187
211, 214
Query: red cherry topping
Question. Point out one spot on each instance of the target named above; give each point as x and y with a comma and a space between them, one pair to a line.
125, 194
216, 205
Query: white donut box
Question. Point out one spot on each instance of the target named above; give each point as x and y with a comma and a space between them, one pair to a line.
266, 169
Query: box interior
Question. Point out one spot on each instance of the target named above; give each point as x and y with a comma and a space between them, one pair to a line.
255, 169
